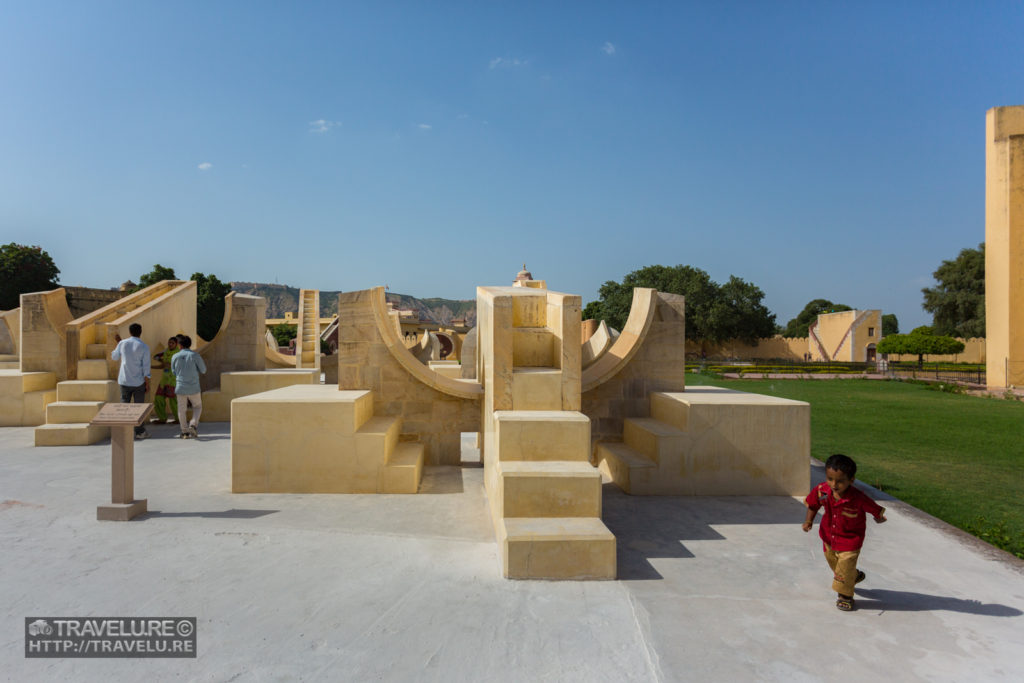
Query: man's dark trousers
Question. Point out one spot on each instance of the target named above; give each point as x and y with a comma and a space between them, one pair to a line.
134, 395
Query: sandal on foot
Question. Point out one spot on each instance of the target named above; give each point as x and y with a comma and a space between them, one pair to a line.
844, 604
860, 577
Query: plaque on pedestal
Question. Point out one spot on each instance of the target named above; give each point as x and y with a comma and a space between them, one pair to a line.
122, 418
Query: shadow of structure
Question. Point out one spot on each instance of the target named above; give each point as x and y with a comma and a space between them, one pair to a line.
233, 513
648, 527
908, 601
441, 479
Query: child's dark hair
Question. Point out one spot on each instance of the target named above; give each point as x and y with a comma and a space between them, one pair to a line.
184, 341
842, 463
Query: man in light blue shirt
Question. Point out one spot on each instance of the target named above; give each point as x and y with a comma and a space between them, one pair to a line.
133, 377
186, 365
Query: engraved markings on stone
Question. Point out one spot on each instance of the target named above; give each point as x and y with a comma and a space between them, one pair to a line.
122, 413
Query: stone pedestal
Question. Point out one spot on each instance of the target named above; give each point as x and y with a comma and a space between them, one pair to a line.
122, 418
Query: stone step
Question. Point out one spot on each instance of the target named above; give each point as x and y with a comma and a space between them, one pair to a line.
404, 469
8, 357
626, 467
10, 364
88, 390
655, 440
556, 548
375, 441
549, 489
92, 368
542, 435
70, 412
96, 351
20, 408
15, 382
536, 388
75, 434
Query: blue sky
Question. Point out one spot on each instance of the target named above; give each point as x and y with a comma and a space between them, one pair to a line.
817, 149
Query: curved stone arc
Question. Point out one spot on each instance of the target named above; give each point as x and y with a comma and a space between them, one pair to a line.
276, 359
641, 316
447, 385
236, 346
597, 345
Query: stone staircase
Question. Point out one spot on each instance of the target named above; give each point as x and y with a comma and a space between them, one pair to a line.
24, 396
345, 448
78, 400
9, 361
711, 441
545, 495
307, 340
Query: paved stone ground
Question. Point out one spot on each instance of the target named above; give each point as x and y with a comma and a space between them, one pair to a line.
357, 587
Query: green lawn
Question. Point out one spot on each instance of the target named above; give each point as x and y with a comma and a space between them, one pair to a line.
958, 457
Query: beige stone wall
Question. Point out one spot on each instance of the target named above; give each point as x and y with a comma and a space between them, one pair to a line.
648, 356
88, 299
43, 344
1004, 246
366, 361
240, 343
10, 332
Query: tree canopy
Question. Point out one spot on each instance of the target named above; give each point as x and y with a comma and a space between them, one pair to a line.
714, 312
210, 293
24, 269
158, 274
921, 341
957, 302
890, 324
798, 326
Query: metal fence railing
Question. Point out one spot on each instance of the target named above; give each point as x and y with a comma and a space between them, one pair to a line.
939, 372
948, 372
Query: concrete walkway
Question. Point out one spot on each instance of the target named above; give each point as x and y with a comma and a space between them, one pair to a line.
362, 587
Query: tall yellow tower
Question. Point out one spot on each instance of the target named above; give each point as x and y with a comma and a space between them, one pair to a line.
1004, 246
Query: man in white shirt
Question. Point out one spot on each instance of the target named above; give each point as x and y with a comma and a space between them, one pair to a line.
133, 377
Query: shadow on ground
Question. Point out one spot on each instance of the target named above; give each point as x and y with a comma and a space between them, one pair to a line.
648, 527
234, 513
906, 601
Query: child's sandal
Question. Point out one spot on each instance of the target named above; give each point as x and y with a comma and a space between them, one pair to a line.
860, 576
844, 604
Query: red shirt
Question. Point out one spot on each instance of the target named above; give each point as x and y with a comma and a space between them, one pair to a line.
843, 523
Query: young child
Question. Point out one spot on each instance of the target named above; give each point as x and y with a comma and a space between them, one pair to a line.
843, 525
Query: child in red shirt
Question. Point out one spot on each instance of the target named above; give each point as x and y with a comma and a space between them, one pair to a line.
843, 525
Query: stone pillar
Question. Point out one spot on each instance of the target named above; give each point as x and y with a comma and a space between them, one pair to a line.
1004, 246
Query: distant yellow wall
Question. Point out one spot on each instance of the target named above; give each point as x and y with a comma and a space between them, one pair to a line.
771, 347
1004, 246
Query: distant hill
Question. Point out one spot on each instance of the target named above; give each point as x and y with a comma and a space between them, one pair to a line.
282, 298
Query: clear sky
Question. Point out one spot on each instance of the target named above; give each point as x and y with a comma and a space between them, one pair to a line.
817, 149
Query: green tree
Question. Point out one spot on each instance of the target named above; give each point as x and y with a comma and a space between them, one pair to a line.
210, 293
713, 312
284, 333
921, 341
798, 326
957, 302
890, 324
24, 269
158, 274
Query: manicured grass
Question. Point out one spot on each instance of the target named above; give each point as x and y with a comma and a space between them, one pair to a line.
957, 457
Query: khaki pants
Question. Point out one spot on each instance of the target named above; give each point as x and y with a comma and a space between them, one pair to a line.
844, 569
197, 408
